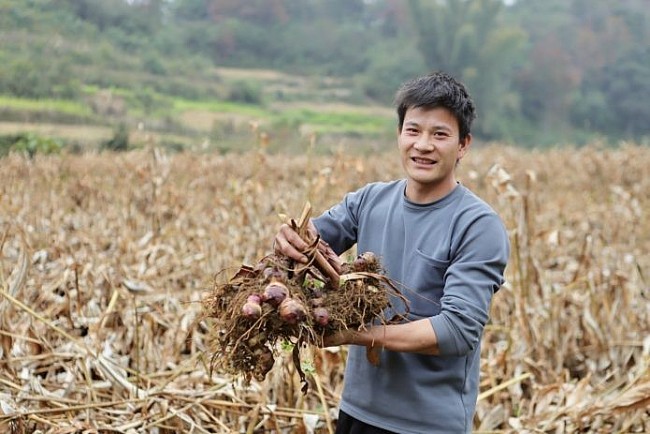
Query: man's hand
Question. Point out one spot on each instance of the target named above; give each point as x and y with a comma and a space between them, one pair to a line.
342, 337
349, 337
288, 243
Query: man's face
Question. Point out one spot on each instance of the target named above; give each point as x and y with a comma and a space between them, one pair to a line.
429, 145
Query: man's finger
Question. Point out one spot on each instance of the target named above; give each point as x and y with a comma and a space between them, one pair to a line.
287, 247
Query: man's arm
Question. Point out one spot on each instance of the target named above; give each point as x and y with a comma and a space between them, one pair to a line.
413, 337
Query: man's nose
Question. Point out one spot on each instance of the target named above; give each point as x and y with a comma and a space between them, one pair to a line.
424, 143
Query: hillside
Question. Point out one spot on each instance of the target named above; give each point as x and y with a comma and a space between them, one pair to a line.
281, 110
71, 77
209, 73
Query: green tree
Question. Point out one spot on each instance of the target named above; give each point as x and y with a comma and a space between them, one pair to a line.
469, 39
391, 63
615, 99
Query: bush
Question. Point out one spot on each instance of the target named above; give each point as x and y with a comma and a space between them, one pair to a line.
390, 65
29, 143
246, 92
6, 142
119, 142
151, 63
38, 77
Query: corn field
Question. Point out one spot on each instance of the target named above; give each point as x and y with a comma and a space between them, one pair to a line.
105, 258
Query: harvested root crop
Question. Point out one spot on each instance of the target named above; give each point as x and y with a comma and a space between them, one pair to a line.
280, 301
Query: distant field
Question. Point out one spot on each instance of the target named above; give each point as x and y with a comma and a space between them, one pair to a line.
74, 133
52, 105
226, 125
289, 103
263, 75
90, 136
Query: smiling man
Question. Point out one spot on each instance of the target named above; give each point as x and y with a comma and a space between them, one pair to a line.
446, 247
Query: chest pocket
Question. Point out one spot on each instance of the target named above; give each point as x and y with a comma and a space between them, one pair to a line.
424, 284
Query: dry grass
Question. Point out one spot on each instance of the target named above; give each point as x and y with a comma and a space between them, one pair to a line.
104, 259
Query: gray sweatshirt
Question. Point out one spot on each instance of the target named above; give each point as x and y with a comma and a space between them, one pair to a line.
449, 257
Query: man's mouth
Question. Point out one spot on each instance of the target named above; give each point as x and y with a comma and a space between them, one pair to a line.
423, 161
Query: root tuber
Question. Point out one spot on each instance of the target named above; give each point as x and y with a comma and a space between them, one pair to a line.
292, 311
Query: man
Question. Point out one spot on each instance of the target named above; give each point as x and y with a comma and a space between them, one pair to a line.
446, 247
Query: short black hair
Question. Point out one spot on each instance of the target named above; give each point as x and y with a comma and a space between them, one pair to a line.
434, 90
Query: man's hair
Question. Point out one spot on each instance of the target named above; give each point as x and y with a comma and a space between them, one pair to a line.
437, 89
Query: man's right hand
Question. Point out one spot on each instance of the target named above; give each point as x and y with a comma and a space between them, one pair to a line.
287, 242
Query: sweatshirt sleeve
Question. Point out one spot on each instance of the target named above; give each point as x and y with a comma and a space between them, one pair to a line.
339, 225
475, 273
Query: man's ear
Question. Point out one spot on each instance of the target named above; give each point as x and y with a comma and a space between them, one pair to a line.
463, 147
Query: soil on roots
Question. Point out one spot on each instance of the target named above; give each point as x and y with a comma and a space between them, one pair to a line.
276, 301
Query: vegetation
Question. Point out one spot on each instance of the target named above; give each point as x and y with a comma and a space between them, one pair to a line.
105, 259
29, 144
542, 72
119, 141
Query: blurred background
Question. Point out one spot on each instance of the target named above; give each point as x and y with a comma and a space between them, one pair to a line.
105, 257
208, 74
